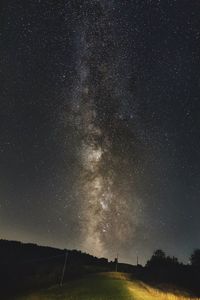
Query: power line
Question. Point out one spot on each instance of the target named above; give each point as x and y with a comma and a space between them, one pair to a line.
35, 259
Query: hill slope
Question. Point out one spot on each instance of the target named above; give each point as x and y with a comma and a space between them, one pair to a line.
103, 286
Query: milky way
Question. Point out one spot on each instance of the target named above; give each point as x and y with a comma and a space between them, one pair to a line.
109, 213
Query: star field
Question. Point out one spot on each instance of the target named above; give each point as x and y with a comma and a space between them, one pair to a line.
99, 142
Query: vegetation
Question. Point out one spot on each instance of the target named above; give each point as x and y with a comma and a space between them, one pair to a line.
106, 286
26, 268
165, 269
195, 258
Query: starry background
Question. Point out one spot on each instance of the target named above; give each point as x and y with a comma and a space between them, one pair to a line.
99, 117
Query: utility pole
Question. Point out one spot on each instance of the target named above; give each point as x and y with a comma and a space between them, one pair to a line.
116, 261
64, 268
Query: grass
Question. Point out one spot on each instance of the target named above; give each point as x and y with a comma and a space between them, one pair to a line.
104, 286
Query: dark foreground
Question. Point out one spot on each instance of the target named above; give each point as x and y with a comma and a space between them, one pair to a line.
26, 269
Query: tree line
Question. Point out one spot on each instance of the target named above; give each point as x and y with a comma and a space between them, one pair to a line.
161, 268
159, 258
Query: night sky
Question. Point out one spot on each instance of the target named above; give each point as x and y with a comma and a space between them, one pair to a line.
100, 125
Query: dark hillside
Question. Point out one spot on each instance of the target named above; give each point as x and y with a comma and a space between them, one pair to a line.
29, 266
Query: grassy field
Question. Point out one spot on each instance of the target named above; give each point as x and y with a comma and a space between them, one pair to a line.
104, 286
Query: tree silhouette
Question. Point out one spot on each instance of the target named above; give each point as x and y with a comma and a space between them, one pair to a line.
195, 258
159, 254
160, 260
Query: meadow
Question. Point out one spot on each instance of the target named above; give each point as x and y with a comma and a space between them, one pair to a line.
106, 286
